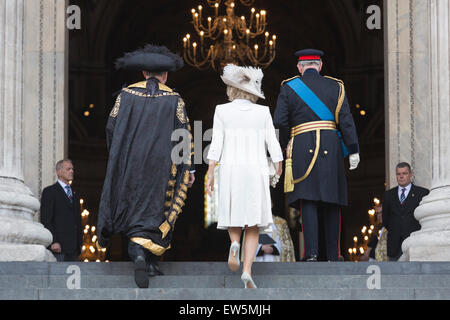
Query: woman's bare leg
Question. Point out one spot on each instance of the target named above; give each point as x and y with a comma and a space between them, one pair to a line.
250, 247
235, 234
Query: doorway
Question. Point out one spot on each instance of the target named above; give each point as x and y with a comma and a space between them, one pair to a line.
354, 54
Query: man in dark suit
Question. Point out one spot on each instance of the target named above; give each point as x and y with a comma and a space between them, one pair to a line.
60, 213
399, 205
315, 112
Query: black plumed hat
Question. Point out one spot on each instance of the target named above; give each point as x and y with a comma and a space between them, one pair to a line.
151, 58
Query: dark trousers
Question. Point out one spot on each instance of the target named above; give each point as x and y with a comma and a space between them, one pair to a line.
66, 257
396, 257
310, 211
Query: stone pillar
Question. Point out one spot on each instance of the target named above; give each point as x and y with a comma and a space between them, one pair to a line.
21, 238
45, 95
408, 97
432, 242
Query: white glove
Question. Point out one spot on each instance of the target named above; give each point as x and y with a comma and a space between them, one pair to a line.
354, 161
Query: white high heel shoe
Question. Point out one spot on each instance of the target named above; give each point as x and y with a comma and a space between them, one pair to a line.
233, 257
247, 280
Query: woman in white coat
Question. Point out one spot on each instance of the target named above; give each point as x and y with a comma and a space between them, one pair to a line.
243, 132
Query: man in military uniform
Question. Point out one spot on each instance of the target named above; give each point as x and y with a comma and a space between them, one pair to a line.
314, 110
145, 187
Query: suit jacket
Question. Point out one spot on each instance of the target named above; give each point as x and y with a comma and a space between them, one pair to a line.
62, 218
399, 220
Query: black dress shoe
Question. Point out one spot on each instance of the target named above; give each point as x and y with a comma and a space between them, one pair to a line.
340, 259
154, 270
140, 274
312, 258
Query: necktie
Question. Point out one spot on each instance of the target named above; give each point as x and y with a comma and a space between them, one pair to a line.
402, 196
69, 193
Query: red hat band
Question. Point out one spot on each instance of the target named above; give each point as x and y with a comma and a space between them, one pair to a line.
303, 58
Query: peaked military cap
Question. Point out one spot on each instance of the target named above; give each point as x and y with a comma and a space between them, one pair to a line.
151, 58
309, 54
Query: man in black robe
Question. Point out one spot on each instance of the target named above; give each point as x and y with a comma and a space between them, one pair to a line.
146, 182
315, 112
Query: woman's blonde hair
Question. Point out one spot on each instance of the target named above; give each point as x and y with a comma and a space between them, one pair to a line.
235, 93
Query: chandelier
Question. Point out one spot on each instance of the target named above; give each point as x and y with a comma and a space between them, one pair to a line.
229, 38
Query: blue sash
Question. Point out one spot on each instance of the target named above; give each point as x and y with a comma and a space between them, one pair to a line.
316, 105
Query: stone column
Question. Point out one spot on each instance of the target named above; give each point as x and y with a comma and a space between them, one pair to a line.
45, 95
432, 242
21, 238
408, 98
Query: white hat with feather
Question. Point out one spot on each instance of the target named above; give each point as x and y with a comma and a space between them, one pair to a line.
248, 79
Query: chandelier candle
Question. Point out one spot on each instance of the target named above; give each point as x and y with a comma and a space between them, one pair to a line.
229, 38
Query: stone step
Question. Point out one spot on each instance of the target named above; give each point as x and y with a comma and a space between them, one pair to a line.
267, 281
220, 268
259, 296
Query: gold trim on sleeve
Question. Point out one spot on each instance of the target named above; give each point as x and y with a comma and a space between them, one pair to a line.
180, 111
150, 246
177, 208
182, 195
180, 202
172, 183
186, 177
174, 170
173, 216
164, 228
170, 194
115, 110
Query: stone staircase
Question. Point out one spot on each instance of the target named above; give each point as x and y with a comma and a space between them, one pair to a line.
213, 281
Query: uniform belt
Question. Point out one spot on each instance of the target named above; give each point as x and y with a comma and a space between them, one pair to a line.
313, 126
316, 126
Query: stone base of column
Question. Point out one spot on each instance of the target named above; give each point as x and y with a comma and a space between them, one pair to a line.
21, 238
432, 242
25, 253
435, 254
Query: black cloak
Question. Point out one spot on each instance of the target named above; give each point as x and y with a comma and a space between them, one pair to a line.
144, 189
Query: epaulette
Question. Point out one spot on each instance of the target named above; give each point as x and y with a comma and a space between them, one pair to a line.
163, 87
338, 80
287, 80
142, 84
